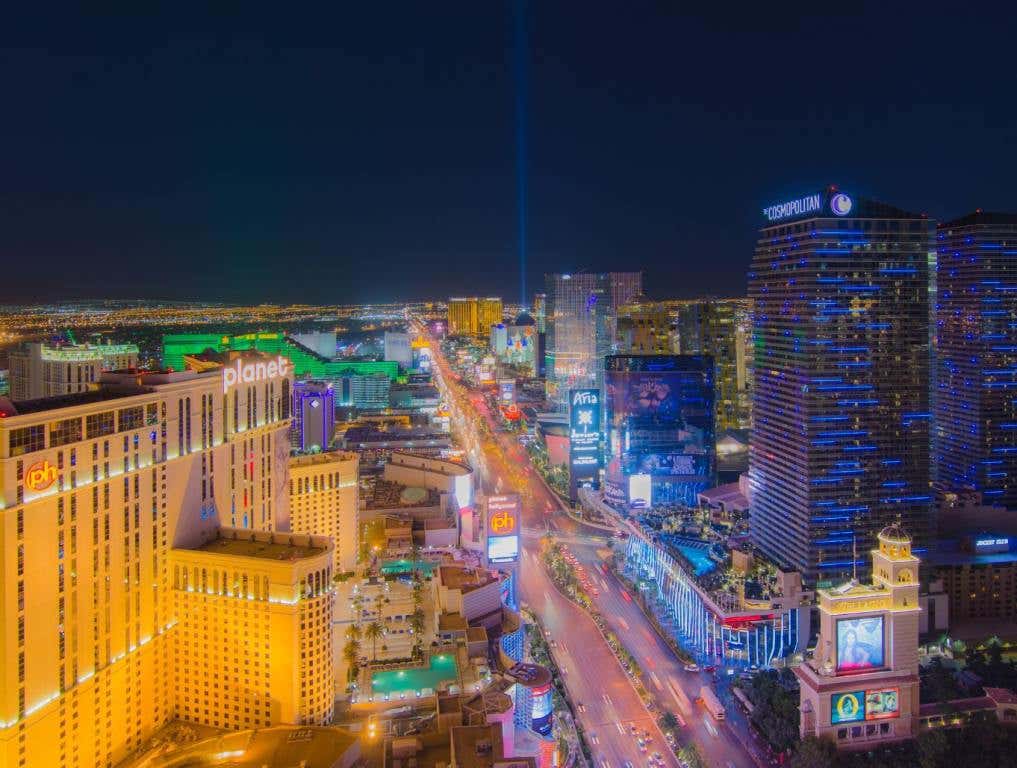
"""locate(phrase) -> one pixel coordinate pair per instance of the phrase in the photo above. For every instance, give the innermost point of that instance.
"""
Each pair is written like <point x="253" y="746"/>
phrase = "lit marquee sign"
<point x="40" y="476"/>
<point x="992" y="544"/>
<point x="503" y="528"/>
<point x="803" y="205"/>
<point x="584" y="435"/>
<point x="241" y="372"/>
<point x="873" y="704"/>
<point x="839" y="203"/>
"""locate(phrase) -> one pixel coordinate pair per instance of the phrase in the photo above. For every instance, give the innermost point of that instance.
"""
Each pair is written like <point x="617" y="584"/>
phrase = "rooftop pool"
<point x="390" y="567"/>
<point x="696" y="552"/>
<point x="394" y="682"/>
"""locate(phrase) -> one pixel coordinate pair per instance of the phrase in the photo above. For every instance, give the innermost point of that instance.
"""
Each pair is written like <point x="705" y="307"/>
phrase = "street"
<point x="606" y="703"/>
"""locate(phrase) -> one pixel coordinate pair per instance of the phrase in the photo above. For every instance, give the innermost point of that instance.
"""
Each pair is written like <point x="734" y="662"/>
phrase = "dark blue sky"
<point x="368" y="153"/>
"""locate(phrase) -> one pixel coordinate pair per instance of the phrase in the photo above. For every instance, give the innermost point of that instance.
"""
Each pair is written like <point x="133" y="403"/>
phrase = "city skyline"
<point x="518" y="385"/>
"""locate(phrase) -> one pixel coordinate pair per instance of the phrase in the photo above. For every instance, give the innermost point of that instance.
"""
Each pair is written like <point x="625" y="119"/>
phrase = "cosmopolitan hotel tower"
<point x="119" y="510"/>
<point x="976" y="377"/>
<point x="840" y="439"/>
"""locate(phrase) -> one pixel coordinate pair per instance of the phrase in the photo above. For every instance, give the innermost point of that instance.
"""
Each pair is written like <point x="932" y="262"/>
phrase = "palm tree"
<point x="373" y="632"/>
<point x="417" y="621"/>
<point x="351" y="652"/>
<point x="353" y="633"/>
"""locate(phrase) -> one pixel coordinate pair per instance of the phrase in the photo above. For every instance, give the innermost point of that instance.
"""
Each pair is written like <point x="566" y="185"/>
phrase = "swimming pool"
<point x="696" y="552"/>
<point x="406" y="566"/>
<point x="411" y="681"/>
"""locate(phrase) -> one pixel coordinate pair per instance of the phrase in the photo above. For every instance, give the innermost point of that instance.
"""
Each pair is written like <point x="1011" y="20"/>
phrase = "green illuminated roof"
<point x="305" y="362"/>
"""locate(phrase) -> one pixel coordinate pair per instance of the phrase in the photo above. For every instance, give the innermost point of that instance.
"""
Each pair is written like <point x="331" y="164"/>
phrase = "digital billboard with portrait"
<point x="847" y="707"/>
<point x="882" y="704"/>
<point x="859" y="644"/>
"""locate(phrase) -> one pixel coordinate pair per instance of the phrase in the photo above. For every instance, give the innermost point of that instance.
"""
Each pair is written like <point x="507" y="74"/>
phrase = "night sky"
<point x="369" y="154"/>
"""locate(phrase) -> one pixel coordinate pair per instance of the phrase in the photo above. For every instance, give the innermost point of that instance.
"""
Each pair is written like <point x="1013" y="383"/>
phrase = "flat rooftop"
<point x="264" y="546"/>
<point x="286" y="745"/>
<point x="464" y="579"/>
<point x="43" y="404"/>
<point x="326" y="457"/>
<point x="387" y="494"/>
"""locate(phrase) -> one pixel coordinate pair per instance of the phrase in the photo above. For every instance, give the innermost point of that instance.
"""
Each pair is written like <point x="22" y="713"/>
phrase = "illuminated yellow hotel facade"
<point x="325" y="500"/>
<point x="102" y="494"/>
<point x="254" y="635"/>
<point x="471" y="316"/>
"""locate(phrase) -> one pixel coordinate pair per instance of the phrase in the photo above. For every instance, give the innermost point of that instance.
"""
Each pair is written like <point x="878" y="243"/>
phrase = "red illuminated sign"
<point x="40" y="476"/>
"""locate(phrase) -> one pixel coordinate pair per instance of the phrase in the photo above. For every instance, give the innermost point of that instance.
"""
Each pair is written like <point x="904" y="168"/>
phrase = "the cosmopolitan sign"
<point x="249" y="372"/>
<point x="799" y="207"/>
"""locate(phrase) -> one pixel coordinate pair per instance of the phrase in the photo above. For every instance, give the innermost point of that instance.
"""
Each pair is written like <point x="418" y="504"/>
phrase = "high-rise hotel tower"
<point x="840" y="437"/>
<point x="99" y="491"/>
<point x="976" y="372"/>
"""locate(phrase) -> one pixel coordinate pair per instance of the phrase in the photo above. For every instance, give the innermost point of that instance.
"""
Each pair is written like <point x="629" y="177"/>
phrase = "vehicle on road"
<point x="625" y="596"/>
<point x="691" y="667"/>
<point x="712" y="703"/>
<point x="710" y="669"/>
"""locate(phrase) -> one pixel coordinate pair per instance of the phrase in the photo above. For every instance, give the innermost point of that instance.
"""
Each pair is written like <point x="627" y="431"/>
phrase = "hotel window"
<point x="27" y="439"/>
<point x="100" y="424"/>
<point x="64" y="432"/>
<point x="130" y="418"/>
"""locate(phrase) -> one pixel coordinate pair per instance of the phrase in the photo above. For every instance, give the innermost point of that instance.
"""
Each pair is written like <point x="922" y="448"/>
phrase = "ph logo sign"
<point x="40" y="476"/>
<point x="502" y="523"/>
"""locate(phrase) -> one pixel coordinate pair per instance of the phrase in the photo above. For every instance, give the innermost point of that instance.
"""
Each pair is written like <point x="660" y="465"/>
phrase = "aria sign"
<point x="248" y="373"/>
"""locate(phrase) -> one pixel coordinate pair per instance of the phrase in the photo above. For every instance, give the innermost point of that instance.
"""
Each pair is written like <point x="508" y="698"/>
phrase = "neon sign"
<point x="502" y="523"/>
<point x="983" y="543"/>
<point x="40" y="476"/>
<point x="248" y="373"/>
<point x="841" y="204"/>
<point x="807" y="204"/>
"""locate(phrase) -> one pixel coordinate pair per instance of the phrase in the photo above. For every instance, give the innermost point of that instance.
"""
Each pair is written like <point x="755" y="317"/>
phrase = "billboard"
<point x="503" y="549"/>
<point x="660" y="422"/>
<point x="640" y="489"/>
<point x="874" y="704"/>
<point x="540" y="717"/>
<point x="506" y="391"/>
<point x="584" y="436"/>
<point x="847" y="707"/>
<point x="882" y="704"/>
<point x="503" y="520"/>
<point x="859" y="644"/>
